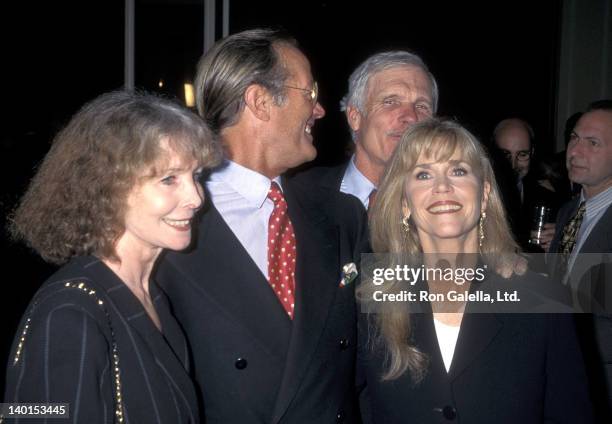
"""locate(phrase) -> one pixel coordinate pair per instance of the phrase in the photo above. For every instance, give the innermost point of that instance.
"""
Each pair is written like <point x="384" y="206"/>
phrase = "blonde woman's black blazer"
<point x="506" y="369"/>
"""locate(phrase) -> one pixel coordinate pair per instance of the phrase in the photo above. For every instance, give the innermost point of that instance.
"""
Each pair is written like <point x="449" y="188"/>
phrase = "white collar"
<point x="249" y="184"/>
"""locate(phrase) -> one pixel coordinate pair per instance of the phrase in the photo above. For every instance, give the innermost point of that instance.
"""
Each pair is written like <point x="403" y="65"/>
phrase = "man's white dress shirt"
<point x="241" y="197"/>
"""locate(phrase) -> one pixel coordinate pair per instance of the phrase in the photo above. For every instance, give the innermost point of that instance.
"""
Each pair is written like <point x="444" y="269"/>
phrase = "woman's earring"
<point x="405" y="224"/>
<point x="481" y="234"/>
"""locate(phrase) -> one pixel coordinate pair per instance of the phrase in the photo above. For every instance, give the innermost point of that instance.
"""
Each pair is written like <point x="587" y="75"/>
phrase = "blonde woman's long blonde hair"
<point x="437" y="139"/>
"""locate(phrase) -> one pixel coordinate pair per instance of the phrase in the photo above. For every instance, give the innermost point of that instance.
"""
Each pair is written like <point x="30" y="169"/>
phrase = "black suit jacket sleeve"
<point x="62" y="362"/>
<point x="590" y="285"/>
<point x="63" y="351"/>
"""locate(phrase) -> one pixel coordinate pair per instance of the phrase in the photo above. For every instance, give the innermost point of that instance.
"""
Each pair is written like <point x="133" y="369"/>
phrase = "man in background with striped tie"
<point x="584" y="228"/>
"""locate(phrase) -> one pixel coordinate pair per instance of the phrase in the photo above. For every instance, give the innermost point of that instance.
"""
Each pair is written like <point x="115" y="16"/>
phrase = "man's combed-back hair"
<point x="76" y="202"/>
<point x="231" y="66"/>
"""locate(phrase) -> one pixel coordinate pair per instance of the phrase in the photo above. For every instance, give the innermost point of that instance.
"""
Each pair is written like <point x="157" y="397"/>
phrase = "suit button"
<point x="449" y="412"/>
<point x="241" y="363"/>
<point x="344" y="344"/>
<point x="340" y="417"/>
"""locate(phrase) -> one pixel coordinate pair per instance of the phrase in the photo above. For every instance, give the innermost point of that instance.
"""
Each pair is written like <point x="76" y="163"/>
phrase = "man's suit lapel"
<point x="600" y="237"/>
<point x="329" y="177"/>
<point x="598" y="241"/>
<point x="591" y="269"/>
<point x="317" y="280"/>
<point x="334" y="177"/>
<point x="237" y="287"/>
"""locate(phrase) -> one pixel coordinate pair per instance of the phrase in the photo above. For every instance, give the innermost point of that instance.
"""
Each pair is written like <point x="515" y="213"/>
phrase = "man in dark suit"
<point x="267" y="309"/>
<point x="521" y="188"/>
<point x="387" y="93"/>
<point x="584" y="228"/>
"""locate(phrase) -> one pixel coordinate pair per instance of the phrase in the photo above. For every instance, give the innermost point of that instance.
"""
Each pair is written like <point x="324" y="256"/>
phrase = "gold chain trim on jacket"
<point x="115" y="354"/>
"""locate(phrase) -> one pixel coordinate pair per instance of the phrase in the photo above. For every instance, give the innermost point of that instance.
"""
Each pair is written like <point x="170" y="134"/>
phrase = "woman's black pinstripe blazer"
<point x="86" y="340"/>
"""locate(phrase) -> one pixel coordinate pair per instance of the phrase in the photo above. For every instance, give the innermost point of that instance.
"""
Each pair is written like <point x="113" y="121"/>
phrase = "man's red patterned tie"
<point x="281" y="251"/>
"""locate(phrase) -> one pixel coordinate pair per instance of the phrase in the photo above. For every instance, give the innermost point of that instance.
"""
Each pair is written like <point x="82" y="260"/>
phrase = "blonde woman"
<point x="438" y="199"/>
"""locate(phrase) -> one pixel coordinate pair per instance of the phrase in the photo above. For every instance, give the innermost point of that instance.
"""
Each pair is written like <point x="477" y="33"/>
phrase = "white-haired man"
<point x="387" y="93"/>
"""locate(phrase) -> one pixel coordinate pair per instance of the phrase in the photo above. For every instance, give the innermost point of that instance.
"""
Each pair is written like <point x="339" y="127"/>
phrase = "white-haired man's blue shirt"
<point x="355" y="183"/>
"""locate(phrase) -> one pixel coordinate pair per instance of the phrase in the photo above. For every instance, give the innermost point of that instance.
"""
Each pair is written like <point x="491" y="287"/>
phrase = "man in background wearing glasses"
<point x="268" y="313"/>
<point x="513" y="138"/>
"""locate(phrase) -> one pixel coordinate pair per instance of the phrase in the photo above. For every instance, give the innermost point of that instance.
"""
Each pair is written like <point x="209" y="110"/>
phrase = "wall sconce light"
<point x="189" y="96"/>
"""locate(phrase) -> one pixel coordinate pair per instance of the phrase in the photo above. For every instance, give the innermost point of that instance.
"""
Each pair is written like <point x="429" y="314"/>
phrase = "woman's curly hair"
<point x="76" y="202"/>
